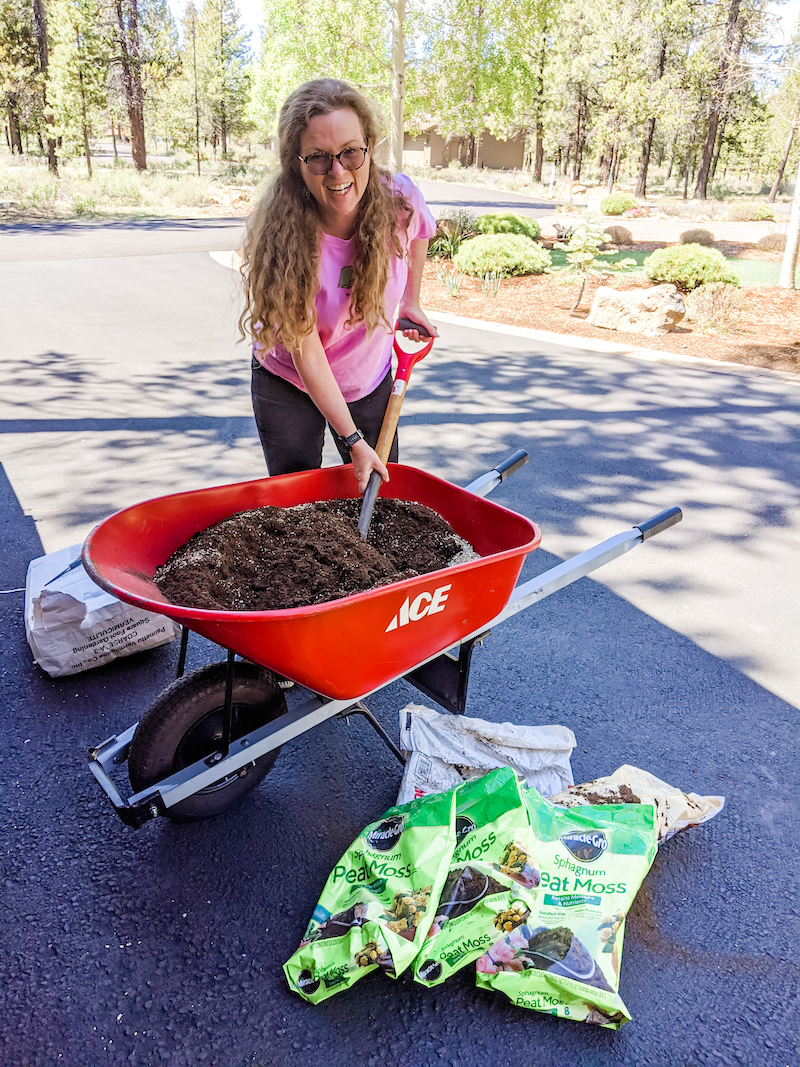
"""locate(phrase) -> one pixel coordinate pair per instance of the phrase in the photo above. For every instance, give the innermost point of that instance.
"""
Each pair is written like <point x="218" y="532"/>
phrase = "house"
<point x="433" y="149"/>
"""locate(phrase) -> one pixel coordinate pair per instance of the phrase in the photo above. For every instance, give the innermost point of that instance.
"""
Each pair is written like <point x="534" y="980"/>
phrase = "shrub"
<point x="451" y="230"/>
<point x="688" y="266"/>
<point x="619" y="235"/>
<point x="750" y="211"/>
<point x="696" y="237"/>
<point x="772" y="242"/>
<point x="641" y="211"/>
<point x="508" y="254"/>
<point x="714" y="307"/>
<point x="617" y="203"/>
<point x="508" y="222"/>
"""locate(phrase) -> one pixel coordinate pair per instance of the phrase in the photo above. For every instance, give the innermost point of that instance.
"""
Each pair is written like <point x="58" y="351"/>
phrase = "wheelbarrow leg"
<point x="361" y="709"/>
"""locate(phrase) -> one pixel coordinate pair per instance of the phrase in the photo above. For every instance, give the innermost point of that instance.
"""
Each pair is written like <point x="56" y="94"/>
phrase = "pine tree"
<point x="78" y="68"/>
<point x="223" y="56"/>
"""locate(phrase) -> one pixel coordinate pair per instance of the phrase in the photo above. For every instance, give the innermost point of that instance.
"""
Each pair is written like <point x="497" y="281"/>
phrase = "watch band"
<point x="348" y="442"/>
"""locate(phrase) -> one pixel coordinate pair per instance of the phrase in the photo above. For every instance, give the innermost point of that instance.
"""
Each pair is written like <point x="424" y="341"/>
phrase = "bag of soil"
<point x="376" y="899"/>
<point x="491" y="881"/>
<point x="564" y="959"/>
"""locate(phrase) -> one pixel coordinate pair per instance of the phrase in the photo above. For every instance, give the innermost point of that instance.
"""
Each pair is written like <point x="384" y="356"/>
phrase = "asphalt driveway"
<point x="122" y="381"/>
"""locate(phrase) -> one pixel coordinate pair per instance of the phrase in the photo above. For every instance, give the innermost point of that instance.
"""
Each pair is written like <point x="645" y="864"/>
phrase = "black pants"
<point x="292" y="429"/>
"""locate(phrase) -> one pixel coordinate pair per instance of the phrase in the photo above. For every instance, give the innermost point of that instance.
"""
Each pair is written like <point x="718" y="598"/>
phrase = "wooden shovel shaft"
<point x="390" y="420"/>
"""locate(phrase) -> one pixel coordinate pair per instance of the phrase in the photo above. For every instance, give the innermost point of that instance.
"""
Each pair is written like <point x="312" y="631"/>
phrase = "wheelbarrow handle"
<point x="658" y="523"/>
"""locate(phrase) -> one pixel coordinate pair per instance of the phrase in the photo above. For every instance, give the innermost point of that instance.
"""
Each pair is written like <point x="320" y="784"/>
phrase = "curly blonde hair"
<point x="281" y="250"/>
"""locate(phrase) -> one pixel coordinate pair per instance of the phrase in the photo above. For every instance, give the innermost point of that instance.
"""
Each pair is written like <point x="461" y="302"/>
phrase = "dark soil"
<point x="274" y="558"/>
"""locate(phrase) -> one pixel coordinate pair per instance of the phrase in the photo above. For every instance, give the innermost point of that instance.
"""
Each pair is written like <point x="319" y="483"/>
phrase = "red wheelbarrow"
<point x="213" y="735"/>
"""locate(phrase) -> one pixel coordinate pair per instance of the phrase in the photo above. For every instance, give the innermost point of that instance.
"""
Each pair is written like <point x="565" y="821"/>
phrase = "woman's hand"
<point x="365" y="461"/>
<point x="416" y="314"/>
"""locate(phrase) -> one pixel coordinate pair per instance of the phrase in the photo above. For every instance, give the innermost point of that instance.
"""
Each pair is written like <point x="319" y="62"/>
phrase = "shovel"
<point x="405" y="362"/>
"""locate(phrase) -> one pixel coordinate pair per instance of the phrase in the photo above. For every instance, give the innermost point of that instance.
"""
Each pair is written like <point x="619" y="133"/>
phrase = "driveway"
<point x="122" y="381"/>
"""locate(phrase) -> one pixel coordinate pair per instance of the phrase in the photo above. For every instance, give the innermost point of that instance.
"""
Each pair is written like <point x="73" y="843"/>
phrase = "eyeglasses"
<point x="321" y="162"/>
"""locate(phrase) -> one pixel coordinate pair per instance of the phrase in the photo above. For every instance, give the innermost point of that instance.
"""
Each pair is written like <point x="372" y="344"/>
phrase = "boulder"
<point x="651" y="312"/>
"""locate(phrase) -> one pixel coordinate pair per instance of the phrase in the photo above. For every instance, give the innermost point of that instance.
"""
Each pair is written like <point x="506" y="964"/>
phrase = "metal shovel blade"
<point x="368" y="504"/>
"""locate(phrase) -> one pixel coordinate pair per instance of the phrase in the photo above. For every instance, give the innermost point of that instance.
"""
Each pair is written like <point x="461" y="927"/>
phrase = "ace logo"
<point x="423" y="604"/>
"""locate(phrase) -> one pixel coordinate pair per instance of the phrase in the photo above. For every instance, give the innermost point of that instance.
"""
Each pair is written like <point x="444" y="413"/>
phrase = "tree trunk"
<point x="644" y="161"/>
<point x="538" y="159"/>
<point x="15" y="137"/>
<point x="604" y="166"/>
<point x="580" y="137"/>
<point x="579" y="297"/>
<point x="128" y="19"/>
<point x="539" y="156"/>
<point x="785" y="159"/>
<point x="672" y="157"/>
<point x="720" y="136"/>
<point x="85" y="123"/>
<point x="396" y="131"/>
<point x="649" y="130"/>
<point x="789" y="263"/>
<point x="731" y="44"/>
<point x="40" y="19"/>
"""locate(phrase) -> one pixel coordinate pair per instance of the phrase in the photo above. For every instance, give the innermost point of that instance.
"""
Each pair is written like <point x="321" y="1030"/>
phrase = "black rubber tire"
<point x="185" y="725"/>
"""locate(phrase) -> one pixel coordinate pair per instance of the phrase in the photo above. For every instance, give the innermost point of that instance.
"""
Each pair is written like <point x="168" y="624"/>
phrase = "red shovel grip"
<point x="406" y="360"/>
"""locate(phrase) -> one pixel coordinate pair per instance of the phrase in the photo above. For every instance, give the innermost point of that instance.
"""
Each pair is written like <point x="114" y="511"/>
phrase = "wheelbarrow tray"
<point x="341" y="648"/>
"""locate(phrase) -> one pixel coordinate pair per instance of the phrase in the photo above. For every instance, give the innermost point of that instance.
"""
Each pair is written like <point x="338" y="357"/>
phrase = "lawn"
<point x="753" y="273"/>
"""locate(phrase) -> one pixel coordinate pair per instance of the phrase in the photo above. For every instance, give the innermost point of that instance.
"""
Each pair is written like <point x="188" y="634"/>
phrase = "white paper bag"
<point x="72" y="624"/>
<point x="443" y="750"/>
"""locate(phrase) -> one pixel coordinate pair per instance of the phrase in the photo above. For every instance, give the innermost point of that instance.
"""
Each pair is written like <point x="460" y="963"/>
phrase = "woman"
<point x="333" y="250"/>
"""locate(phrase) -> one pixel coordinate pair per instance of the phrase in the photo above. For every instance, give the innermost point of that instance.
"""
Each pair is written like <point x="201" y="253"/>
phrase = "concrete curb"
<point x="592" y="344"/>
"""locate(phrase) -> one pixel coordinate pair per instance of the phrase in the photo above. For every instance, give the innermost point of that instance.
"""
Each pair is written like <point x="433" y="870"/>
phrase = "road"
<point x="122" y="381"/>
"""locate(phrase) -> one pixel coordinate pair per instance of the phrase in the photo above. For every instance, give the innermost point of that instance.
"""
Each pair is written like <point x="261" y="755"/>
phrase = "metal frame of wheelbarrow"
<point x="443" y="677"/>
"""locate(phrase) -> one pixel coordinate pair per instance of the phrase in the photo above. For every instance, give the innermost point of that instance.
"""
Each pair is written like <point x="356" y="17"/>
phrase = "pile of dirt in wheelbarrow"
<point x="271" y="558"/>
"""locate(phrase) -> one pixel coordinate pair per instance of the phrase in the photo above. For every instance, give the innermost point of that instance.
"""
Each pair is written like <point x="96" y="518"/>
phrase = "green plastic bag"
<point x="565" y="959"/>
<point x="491" y="881"/>
<point x="374" y="909"/>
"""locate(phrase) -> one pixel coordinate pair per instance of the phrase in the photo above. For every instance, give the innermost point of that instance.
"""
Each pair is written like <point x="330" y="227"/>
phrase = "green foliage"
<point x="78" y="70"/>
<point x="451" y="230"/>
<point x="84" y="205"/>
<point x="506" y="254"/>
<point x="586" y="257"/>
<point x="689" y="266"/>
<point x="450" y="279"/>
<point x="490" y="283"/>
<point x="750" y="211"/>
<point x="617" y="203"/>
<point x="508" y="222"/>
<point x="697" y="237"/>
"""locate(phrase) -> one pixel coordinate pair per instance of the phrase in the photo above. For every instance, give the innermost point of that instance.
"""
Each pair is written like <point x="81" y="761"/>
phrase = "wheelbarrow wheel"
<point x="185" y="724"/>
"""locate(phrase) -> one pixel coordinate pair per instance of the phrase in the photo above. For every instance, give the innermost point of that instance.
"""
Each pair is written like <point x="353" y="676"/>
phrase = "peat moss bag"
<point x="374" y="908"/>
<point x="565" y="958"/>
<point x="491" y="880"/>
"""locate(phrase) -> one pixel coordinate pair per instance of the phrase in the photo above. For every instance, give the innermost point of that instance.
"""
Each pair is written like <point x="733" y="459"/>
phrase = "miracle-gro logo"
<point x="586" y="846"/>
<point x="386" y="834"/>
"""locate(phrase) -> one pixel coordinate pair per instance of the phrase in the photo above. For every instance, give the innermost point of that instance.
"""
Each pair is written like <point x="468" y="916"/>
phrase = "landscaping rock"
<point x="652" y="312"/>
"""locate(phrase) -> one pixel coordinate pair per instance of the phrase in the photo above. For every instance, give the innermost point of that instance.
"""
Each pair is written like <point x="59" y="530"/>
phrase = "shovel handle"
<point x="405" y="362"/>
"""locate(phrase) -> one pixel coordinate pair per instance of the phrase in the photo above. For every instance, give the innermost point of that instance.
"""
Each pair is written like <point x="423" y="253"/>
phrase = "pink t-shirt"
<point x="359" y="362"/>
